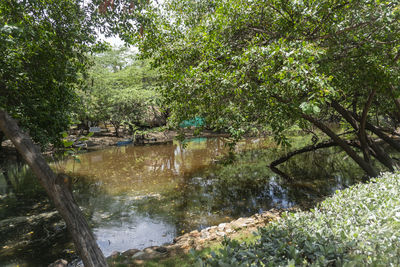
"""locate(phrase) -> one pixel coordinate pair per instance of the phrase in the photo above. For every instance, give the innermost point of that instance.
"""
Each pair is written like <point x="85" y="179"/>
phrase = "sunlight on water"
<point x="139" y="203"/>
<point x="140" y="196"/>
<point x="142" y="170"/>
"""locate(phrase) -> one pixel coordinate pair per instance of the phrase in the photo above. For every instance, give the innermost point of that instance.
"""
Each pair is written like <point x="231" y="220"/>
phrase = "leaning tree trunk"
<point x="58" y="192"/>
<point x="366" y="166"/>
<point x="361" y="131"/>
<point x="378" y="152"/>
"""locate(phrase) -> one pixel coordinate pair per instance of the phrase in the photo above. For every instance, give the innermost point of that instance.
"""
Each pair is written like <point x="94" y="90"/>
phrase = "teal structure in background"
<point x="196" y="122"/>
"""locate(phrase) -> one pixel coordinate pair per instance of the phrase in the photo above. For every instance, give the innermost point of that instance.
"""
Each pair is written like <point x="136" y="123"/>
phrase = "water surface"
<point x="139" y="196"/>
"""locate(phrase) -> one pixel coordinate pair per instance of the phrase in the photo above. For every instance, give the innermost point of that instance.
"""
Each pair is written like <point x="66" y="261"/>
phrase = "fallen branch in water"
<point x="314" y="147"/>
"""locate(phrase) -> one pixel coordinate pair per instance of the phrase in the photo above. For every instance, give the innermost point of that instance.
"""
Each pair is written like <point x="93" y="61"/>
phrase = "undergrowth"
<point x="358" y="226"/>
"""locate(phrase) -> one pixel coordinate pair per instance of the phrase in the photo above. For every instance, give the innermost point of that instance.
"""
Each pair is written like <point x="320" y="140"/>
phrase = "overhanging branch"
<point x="305" y="149"/>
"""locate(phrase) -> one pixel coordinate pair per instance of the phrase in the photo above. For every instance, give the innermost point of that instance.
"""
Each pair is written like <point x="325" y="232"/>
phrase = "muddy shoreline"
<point x="108" y="139"/>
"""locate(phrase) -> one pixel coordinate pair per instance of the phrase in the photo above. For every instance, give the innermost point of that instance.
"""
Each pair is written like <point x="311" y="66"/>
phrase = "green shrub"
<point x="358" y="226"/>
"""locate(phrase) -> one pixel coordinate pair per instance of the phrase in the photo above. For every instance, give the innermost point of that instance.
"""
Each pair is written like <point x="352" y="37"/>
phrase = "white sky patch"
<point x="115" y="41"/>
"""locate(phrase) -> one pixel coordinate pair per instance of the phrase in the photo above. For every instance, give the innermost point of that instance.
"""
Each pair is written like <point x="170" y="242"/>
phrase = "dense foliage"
<point x="358" y="226"/>
<point x="250" y="64"/>
<point x="43" y="46"/>
<point x="119" y="89"/>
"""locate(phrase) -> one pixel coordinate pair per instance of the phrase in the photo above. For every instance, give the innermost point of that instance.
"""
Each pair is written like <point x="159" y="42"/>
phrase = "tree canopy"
<point x="43" y="50"/>
<point x="119" y="89"/>
<point x="277" y="63"/>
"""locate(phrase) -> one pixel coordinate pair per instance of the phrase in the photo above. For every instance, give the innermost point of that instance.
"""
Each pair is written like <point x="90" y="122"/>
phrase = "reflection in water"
<point x="139" y="196"/>
<point x="119" y="236"/>
<point x="142" y="170"/>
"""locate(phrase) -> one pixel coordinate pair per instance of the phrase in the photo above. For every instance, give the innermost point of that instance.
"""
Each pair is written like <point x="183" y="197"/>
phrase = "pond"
<point x="139" y="196"/>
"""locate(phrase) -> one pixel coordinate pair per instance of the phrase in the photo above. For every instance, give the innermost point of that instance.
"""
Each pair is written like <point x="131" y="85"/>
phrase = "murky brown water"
<point x="142" y="187"/>
<point x="138" y="196"/>
<point x="152" y="169"/>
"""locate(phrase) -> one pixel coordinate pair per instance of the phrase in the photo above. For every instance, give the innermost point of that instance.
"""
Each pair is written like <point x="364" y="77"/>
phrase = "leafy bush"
<point x="358" y="226"/>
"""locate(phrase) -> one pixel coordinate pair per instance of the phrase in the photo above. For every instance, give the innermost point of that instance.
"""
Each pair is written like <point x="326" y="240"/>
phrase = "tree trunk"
<point x="116" y="127"/>
<point x="396" y="102"/>
<point x="1" y="140"/>
<point x="367" y="167"/>
<point x="302" y="150"/>
<point x="379" y="153"/>
<point x="275" y="163"/>
<point x="362" y="134"/>
<point x="10" y="186"/>
<point x="57" y="189"/>
<point x="390" y="141"/>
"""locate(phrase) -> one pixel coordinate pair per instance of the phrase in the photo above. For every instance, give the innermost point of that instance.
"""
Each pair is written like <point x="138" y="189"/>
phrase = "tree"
<point x="243" y="64"/>
<point x="58" y="190"/>
<point x="42" y="51"/>
<point x="120" y="89"/>
<point x="43" y="46"/>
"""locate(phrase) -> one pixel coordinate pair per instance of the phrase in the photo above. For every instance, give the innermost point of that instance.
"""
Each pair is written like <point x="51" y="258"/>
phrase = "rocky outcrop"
<point x="196" y="239"/>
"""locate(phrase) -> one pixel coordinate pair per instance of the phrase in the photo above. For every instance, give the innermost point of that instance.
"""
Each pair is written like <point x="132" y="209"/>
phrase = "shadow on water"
<point x="138" y="196"/>
<point x="31" y="232"/>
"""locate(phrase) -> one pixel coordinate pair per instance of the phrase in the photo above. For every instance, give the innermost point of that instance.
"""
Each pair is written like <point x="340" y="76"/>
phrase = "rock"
<point x="150" y="253"/>
<point x="173" y="250"/>
<point x="90" y="143"/>
<point x="114" y="255"/>
<point x="220" y="233"/>
<point x="199" y="247"/>
<point x="242" y="222"/>
<point x="137" y="263"/>
<point x="138" y="255"/>
<point x="162" y="250"/>
<point x="197" y="239"/>
<point x="59" y="263"/>
<point x="180" y="238"/>
<point x="186" y="247"/>
<point x="194" y="233"/>
<point x="205" y="234"/>
<point x="221" y="226"/>
<point x="130" y="252"/>
<point x="149" y="249"/>
<point x="213" y="236"/>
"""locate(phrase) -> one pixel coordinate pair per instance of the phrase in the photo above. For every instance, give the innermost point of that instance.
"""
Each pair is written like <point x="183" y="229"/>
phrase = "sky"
<point x="115" y="41"/>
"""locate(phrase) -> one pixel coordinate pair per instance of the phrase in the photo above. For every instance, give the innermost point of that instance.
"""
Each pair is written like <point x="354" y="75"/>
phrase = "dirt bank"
<point x="100" y="141"/>
<point x="106" y="139"/>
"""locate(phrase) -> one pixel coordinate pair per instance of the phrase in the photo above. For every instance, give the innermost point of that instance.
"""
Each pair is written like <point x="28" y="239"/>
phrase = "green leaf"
<point x="68" y="143"/>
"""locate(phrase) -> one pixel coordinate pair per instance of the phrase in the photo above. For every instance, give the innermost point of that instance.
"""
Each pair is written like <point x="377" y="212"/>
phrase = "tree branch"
<point x="367" y="167"/>
<point x="57" y="191"/>
<point x="305" y="149"/>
